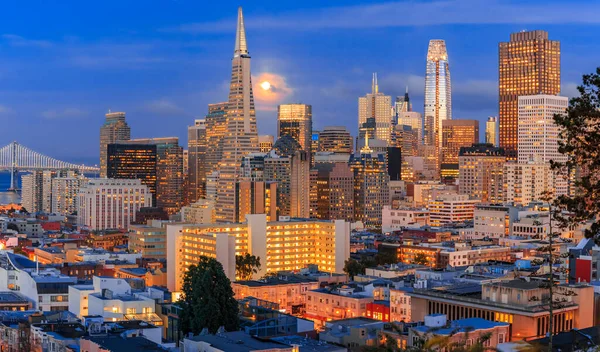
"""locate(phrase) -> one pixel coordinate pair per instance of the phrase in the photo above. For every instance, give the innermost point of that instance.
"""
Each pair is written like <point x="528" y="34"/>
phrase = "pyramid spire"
<point x="241" y="48"/>
<point x="374" y="85"/>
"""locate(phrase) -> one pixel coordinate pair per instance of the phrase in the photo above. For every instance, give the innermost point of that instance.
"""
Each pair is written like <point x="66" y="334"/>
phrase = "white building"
<point x="377" y="105"/>
<point x="450" y="208"/>
<point x="64" y="193"/>
<point x="493" y="221"/>
<point x="201" y="212"/>
<point x="414" y="120"/>
<point x="538" y="134"/>
<point x="111" y="203"/>
<point x="398" y="219"/>
<point x="99" y="254"/>
<point x="526" y="183"/>
<point x="400" y="306"/>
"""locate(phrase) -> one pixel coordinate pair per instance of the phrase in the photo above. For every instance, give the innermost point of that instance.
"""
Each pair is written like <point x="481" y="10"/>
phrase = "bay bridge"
<point x="15" y="158"/>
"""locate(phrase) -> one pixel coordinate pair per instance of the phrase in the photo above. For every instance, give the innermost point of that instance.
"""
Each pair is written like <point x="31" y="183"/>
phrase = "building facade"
<point x="480" y="172"/>
<point x="491" y="131"/>
<point x="295" y="120"/>
<point x="335" y="139"/>
<point x="378" y="106"/>
<point x="196" y="161"/>
<point x="450" y="208"/>
<point x="332" y="191"/>
<point x="114" y="129"/>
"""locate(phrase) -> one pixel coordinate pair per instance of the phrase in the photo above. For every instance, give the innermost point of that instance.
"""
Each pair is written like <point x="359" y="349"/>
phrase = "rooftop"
<point x="118" y="343"/>
<point x="237" y="341"/>
<point x="272" y="281"/>
<point x="11" y="297"/>
<point x="462" y="325"/>
<point x="307" y="345"/>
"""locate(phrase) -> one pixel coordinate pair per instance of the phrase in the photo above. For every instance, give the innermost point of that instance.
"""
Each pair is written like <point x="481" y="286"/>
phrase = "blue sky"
<point x="64" y="64"/>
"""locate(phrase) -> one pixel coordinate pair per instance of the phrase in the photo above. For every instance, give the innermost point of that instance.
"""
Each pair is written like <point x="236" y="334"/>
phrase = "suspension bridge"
<point x="15" y="158"/>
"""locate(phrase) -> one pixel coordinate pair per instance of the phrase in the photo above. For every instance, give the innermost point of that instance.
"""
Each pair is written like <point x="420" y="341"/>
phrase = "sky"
<point x="64" y="64"/>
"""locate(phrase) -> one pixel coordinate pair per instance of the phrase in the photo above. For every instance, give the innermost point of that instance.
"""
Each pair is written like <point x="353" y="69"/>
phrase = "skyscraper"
<point x="265" y="143"/>
<point x="241" y="135"/>
<point x="438" y="94"/>
<point x="491" y="128"/>
<point x="295" y="120"/>
<point x="335" y="139"/>
<point x="378" y="106"/>
<point x="196" y="161"/>
<point x="456" y="134"/>
<point x="528" y="64"/>
<point x="481" y="172"/>
<point x="115" y="128"/>
<point x="332" y="191"/>
<point x="216" y="125"/>
<point x="415" y="121"/>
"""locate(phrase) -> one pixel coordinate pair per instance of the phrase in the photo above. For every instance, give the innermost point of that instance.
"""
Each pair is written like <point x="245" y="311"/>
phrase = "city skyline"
<point x="152" y="86"/>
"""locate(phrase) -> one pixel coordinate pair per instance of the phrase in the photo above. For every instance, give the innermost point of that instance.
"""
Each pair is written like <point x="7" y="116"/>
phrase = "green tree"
<point x="386" y="258"/>
<point x="246" y="266"/>
<point x="207" y="299"/>
<point x="352" y="268"/>
<point x="420" y="259"/>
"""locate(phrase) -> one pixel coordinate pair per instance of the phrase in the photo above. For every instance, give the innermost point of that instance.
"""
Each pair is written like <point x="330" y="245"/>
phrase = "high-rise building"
<point x="253" y="167"/>
<point x="371" y="190"/>
<point x="160" y="159"/>
<point x="481" y="172"/>
<point x="196" y="161"/>
<point x="438" y="94"/>
<point x="114" y="129"/>
<point x="216" y="125"/>
<point x="256" y="197"/>
<point x="528" y="64"/>
<point x="491" y="131"/>
<point x="402" y="104"/>
<point x="368" y="128"/>
<point x="527" y="182"/>
<point x="450" y="208"/>
<point x="111" y="203"/>
<point x="36" y="189"/>
<point x="378" y="106"/>
<point x="393" y="161"/>
<point x="332" y="191"/>
<point x="414" y="120"/>
<point x="265" y="143"/>
<point x="455" y="135"/>
<point x="335" y="139"/>
<point x="64" y="193"/>
<point x="200" y="212"/>
<point x="295" y="120"/>
<point x="407" y="139"/>
<point x="241" y="135"/>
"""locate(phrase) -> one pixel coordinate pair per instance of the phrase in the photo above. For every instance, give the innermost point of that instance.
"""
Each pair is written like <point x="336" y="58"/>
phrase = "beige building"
<point x="323" y="305"/>
<point x="525" y="183"/>
<point x="114" y="129"/>
<point x="200" y="212"/>
<point x="378" y="106"/>
<point x="491" y="131"/>
<point x="456" y="134"/>
<point x="400" y="307"/>
<point x="331" y="191"/>
<point x="289" y="292"/>
<point x="281" y="245"/>
<point x="265" y="143"/>
<point x="335" y="139"/>
<point x="256" y="197"/>
<point x="295" y="120"/>
<point x="64" y="193"/>
<point x="398" y="219"/>
<point x="528" y="64"/>
<point x="291" y="172"/>
<point x="414" y="120"/>
<point x="150" y="240"/>
<point x="480" y="172"/>
<point x="450" y="208"/>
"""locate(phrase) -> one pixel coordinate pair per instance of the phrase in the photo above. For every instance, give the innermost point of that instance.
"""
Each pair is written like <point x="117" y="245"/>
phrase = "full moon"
<point x="265" y="85"/>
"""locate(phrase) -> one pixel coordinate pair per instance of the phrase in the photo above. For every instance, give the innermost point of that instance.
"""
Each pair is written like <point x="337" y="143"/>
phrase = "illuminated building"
<point x="282" y="245"/>
<point x="196" y="161"/>
<point x="200" y="212"/>
<point x="332" y="195"/>
<point x="415" y="121"/>
<point x="114" y="129"/>
<point x="64" y="193"/>
<point x="491" y="131"/>
<point x="216" y="125"/>
<point x="538" y="133"/>
<point x="295" y="120"/>
<point x="253" y="166"/>
<point x="335" y="139"/>
<point x="371" y="191"/>
<point x="525" y="183"/>
<point x="241" y="136"/>
<point x="402" y="104"/>
<point x="456" y="134"/>
<point x="314" y="143"/>
<point x="407" y="139"/>
<point x="528" y="64"/>
<point x="36" y="191"/>
<point x="256" y="197"/>
<point x="265" y="143"/>
<point x="378" y="106"/>
<point x="399" y="219"/>
<point x="349" y="304"/>
<point x="133" y="160"/>
<point x="288" y="292"/>
<point x="438" y="94"/>
<point x="150" y="240"/>
<point x="481" y="170"/>
<point x="111" y="203"/>
<point x="450" y="208"/>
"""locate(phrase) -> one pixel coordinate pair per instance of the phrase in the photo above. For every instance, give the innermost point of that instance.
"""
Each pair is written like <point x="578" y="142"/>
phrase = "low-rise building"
<point x="400" y="307"/>
<point x="352" y="332"/>
<point x="398" y="219"/>
<point x="323" y="305"/>
<point x="450" y="208"/>
<point x="150" y="240"/>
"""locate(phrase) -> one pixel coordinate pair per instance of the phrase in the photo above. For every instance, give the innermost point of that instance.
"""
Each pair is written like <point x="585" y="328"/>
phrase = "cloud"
<point x="163" y="106"/>
<point x="17" y="40"/>
<point x="278" y="92"/>
<point x="66" y="113"/>
<point x="394" y="14"/>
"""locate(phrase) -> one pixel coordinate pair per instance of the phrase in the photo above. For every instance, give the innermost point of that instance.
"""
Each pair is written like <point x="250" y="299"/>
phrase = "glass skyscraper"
<point x="438" y="94"/>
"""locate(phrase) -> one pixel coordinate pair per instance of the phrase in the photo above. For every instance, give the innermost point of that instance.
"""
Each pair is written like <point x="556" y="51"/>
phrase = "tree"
<point x="246" y="266"/>
<point x="420" y="259"/>
<point x="386" y="258"/>
<point x="352" y="268"/>
<point x="207" y="299"/>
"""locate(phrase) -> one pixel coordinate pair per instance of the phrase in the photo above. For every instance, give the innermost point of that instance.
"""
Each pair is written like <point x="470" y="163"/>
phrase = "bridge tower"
<point x="14" y="173"/>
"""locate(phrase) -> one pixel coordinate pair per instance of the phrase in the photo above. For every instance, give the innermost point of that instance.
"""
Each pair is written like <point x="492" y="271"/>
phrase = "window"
<point x="500" y="338"/>
<point x="130" y="310"/>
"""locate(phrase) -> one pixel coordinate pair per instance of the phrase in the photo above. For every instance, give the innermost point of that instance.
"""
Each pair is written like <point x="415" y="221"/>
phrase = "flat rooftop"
<point x="237" y="341"/>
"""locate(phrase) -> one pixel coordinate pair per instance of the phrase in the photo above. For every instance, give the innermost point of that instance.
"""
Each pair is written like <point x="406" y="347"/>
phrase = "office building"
<point x="241" y="135"/>
<point x="36" y="191"/>
<point x="414" y="120"/>
<point x="149" y="239"/>
<point x="64" y="193"/>
<point x="480" y="175"/>
<point x="265" y="143"/>
<point x="281" y="245"/>
<point x="111" y="203"/>
<point x="200" y="212"/>
<point x="332" y="191"/>
<point x="253" y="166"/>
<point x="295" y="120"/>
<point x="378" y="106"/>
<point x="528" y="64"/>
<point x="151" y="159"/>
<point x="407" y="139"/>
<point x="402" y="104"/>
<point x="491" y="131"/>
<point x="196" y="161"/>
<point x="256" y="197"/>
<point x="114" y="129"/>
<point x="371" y="190"/>
<point x="455" y="135"/>
<point x="526" y="183"/>
<point x="216" y="126"/>
<point x="447" y="209"/>
<point x="393" y="160"/>
<point x="335" y="139"/>
<point x="438" y="94"/>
